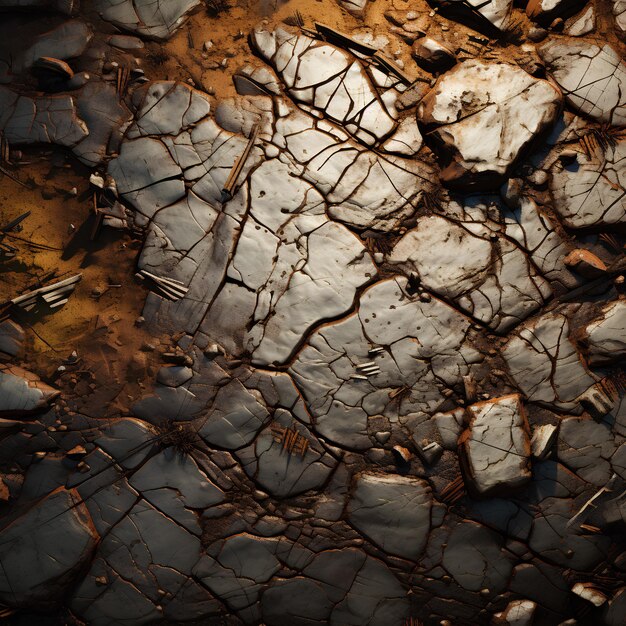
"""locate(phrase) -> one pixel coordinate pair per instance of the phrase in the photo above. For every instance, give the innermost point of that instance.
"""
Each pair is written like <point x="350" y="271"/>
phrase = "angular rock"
<point x="542" y="440"/>
<point x="590" y="191"/>
<point x="432" y="55"/>
<point x="586" y="447"/>
<point x="605" y="338"/>
<point x="23" y="393"/>
<point x="584" y="24"/>
<point x="393" y="511"/>
<point x="487" y="277"/>
<point x="474" y="557"/>
<point x="44" y="119"/>
<point x="144" y="553"/>
<point x="156" y="19"/>
<point x="545" y="365"/>
<point x="278" y="469"/>
<point x="329" y="79"/>
<point x="517" y="613"/>
<point x="482" y="116"/>
<point x="426" y="349"/>
<point x="176" y="486"/>
<point x="496" y="446"/>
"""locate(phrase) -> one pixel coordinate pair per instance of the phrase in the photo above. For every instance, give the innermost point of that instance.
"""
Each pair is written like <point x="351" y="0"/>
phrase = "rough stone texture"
<point x="332" y="424"/>
<point x="496" y="446"/>
<point x="44" y="550"/>
<point x="411" y="331"/>
<point x="605" y="337"/>
<point x="157" y="19"/>
<point x="483" y="115"/>
<point x="327" y="78"/>
<point x="589" y="192"/>
<point x="22" y="392"/>
<point x="394" y="512"/>
<point x="44" y="119"/>
<point x="546" y="366"/>
<point x="591" y="76"/>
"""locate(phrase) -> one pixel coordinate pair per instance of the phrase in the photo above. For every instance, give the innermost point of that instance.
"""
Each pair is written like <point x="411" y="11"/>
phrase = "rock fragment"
<point x="45" y="549"/>
<point x="23" y="393"/>
<point x="591" y="75"/>
<point x="156" y="19"/>
<point x="605" y="338"/>
<point x="496" y="446"/>
<point x="474" y="114"/>
<point x="393" y="511"/>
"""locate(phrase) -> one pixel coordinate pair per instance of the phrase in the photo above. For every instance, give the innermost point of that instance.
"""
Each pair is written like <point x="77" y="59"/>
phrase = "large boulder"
<point x="482" y="116"/>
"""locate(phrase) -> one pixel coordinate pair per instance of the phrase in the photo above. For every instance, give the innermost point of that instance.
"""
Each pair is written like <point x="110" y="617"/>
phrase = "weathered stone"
<point x="605" y="338"/>
<point x="45" y="549"/>
<point x="155" y="19"/>
<point x="591" y="76"/>
<point x="393" y="511"/>
<point x="546" y="366"/>
<point x="474" y="114"/>
<point x="589" y="192"/>
<point x="23" y="393"/>
<point x="496" y="446"/>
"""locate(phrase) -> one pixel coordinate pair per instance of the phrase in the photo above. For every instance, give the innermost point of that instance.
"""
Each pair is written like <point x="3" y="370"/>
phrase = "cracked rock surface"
<point x="348" y="345"/>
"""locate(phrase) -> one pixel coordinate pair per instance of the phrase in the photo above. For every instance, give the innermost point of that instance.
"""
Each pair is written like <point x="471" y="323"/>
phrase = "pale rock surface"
<point x="483" y="115"/>
<point x="592" y="77"/>
<point x="590" y="192"/>
<point x="23" y="393"/>
<point x="393" y="511"/>
<point x="496" y="446"/>
<point x="546" y="366"/>
<point x="156" y="19"/>
<point x="426" y="349"/>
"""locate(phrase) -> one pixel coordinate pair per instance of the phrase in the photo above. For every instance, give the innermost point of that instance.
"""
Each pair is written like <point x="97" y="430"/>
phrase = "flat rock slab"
<point x="44" y="549"/>
<point x="282" y="472"/>
<point x="329" y="79"/>
<point x="482" y="116"/>
<point x="592" y="77"/>
<point x="590" y="191"/>
<point x="485" y="276"/>
<point x="496" y="446"/>
<point x="545" y="364"/>
<point x="426" y="348"/>
<point x="43" y="119"/>
<point x="156" y="19"/>
<point x="393" y="511"/>
<point x="23" y="393"/>
<point x="605" y="337"/>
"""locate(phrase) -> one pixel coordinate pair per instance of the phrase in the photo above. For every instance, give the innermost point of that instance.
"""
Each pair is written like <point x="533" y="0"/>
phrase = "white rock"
<point x="496" y="446"/>
<point x="485" y="114"/>
<point x="592" y="77"/>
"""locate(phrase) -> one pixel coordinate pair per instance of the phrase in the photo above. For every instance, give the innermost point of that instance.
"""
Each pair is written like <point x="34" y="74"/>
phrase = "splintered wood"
<point x="453" y="491"/>
<point x="231" y="181"/>
<point x="290" y="439"/>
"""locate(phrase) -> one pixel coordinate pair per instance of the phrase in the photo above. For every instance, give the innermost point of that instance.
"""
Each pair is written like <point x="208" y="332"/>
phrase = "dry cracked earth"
<point x="312" y="312"/>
